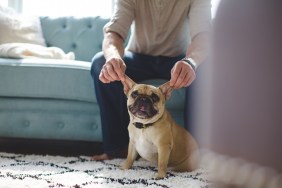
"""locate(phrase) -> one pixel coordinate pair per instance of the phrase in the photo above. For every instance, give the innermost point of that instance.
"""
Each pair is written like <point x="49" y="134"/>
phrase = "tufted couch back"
<point x="83" y="36"/>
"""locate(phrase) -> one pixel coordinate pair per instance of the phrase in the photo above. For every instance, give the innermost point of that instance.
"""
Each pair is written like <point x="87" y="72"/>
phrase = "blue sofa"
<point x="54" y="99"/>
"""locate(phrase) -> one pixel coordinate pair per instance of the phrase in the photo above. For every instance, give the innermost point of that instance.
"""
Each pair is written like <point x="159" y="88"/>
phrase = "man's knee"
<point x="97" y="63"/>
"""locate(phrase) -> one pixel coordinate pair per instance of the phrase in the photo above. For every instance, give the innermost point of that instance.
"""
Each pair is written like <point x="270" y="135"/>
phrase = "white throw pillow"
<point x="15" y="27"/>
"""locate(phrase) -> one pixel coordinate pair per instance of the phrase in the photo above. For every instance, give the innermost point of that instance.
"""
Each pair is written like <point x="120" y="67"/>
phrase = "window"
<point x="4" y="3"/>
<point x="214" y="7"/>
<point x="64" y="7"/>
<point x="70" y="7"/>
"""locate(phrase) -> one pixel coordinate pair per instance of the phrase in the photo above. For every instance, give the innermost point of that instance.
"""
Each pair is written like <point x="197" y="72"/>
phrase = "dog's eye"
<point x="155" y="97"/>
<point x="134" y="94"/>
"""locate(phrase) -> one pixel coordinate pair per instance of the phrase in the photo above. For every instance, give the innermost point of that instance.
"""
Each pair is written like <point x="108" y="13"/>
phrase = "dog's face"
<point x="146" y="103"/>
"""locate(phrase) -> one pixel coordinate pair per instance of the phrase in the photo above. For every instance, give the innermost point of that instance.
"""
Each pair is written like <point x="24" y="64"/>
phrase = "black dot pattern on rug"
<point x="79" y="172"/>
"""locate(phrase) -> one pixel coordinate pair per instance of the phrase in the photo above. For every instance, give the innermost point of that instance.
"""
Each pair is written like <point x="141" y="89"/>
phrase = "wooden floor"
<point x="50" y="147"/>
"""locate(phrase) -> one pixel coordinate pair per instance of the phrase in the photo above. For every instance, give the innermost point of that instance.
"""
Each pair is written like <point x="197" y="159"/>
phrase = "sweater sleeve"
<point x="122" y="18"/>
<point x="199" y="16"/>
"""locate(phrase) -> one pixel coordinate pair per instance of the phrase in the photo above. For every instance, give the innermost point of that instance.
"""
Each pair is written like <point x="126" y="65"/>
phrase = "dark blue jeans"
<point x="112" y="100"/>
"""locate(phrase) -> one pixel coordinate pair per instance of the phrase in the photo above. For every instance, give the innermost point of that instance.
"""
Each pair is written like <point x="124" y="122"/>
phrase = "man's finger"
<point x="102" y="78"/>
<point x="180" y="79"/>
<point x="185" y="81"/>
<point x="111" y="72"/>
<point x="107" y="76"/>
<point x="119" y="69"/>
<point x="174" y="74"/>
<point x="122" y="75"/>
<point x="189" y="82"/>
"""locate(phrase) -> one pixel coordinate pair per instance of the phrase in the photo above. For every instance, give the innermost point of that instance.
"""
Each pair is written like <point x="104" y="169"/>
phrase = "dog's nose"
<point x="144" y="99"/>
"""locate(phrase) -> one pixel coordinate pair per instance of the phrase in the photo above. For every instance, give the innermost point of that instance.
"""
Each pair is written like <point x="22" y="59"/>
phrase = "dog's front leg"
<point x="131" y="156"/>
<point x="163" y="157"/>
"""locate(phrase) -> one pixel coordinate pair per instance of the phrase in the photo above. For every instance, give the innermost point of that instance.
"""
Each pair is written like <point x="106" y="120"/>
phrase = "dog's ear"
<point x="127" y="84"/>
<point x="166" y="90"/>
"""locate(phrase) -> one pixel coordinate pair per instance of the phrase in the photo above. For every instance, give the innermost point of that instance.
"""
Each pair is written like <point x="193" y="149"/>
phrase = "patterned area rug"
<point x="32" y="171"/>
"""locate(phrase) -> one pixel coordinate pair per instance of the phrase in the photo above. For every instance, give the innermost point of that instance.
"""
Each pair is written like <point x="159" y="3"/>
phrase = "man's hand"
<point x="182" y="75"/>
<point x="113" y="70"/>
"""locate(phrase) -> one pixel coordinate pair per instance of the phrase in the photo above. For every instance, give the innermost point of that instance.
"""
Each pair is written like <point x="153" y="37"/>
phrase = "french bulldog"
<point x="153" y="134"/>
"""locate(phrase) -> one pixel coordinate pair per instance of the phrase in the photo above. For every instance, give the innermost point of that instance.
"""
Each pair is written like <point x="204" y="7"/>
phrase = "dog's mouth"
<point x="143" y="108"/>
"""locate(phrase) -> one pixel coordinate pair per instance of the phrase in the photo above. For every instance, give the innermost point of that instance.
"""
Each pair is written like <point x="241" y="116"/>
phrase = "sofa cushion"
<point x="46" y="78"/>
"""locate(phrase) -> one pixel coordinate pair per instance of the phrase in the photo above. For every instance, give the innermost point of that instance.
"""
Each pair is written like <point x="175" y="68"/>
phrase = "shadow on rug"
<point x="55" y="171"/>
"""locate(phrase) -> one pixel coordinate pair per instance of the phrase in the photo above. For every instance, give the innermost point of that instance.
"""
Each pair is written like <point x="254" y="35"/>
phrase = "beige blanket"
<point x="26" y="50"/>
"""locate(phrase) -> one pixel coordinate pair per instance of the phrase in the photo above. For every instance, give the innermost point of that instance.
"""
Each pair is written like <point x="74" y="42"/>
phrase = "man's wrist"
<point x="191" y="62"/>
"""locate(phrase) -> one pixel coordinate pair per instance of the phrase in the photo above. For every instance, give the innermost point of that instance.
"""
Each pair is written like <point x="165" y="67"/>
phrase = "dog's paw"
<point x="160" y="176"/>
<point x="125" y="166"/>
